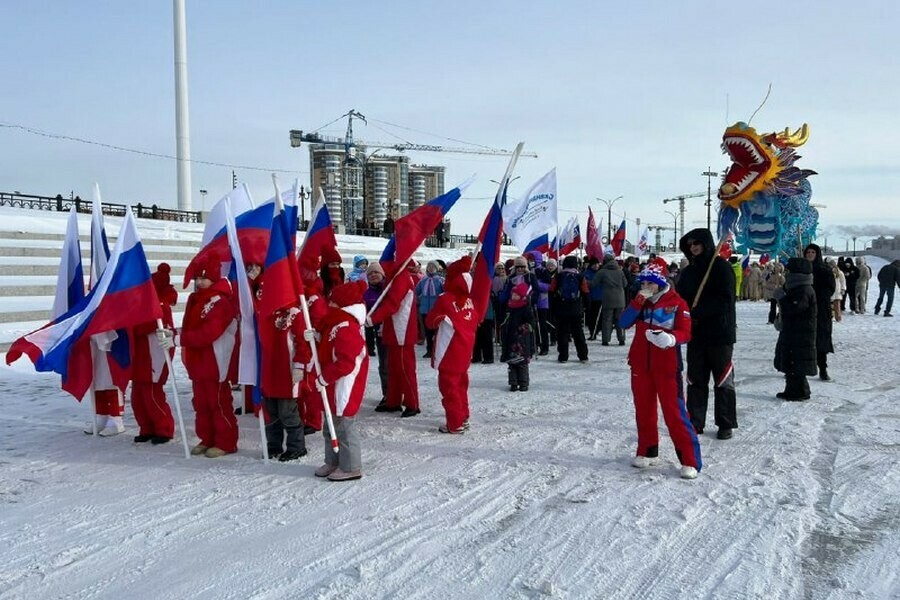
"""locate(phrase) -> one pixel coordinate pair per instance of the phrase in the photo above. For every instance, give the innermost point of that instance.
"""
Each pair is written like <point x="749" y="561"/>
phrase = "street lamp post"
<point x="675" y="237"/>
<point x="854" y="245"/>
<point x="303" y="196"/>
<point x="709" y="174"/>
<point x="609" y="204"/>
<point x="202" y="200"/>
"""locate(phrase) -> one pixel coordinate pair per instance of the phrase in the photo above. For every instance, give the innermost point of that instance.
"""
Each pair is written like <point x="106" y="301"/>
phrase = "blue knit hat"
<point x="655" y="273"/>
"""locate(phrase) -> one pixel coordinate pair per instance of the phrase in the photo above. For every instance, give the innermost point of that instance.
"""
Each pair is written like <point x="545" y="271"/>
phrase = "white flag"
<point x="529" y="220"/>
<point x="643" y="244"/>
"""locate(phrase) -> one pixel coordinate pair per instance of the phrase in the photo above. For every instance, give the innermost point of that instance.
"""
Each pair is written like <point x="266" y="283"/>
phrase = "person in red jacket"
<point x="149" y="370"/>
<point x="345" y="370"/>
<point x="400" y="332"/>
<point x="455" y="319"/>
<point x="308" y="398"/>
<point x="662" y="323"/>
<point x="279" y="335"/>
<point x="207" y="340"/>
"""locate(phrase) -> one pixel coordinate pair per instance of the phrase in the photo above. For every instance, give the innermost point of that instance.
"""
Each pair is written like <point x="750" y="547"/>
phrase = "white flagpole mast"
<point x="335" y="446"/>
<point x="177" y="402"/>
<point x="500" y="189"/>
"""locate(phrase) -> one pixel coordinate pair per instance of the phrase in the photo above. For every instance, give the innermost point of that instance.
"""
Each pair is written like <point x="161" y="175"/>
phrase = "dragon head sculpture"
<point x="764" y="197"/>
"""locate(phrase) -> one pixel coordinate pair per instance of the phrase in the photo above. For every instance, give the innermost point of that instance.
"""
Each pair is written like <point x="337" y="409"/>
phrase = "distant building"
<point x="362" y="191"/>
<point x="887" y="248"/>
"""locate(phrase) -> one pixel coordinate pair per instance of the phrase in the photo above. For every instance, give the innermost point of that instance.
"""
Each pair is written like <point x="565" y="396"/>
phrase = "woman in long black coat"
<point x="795" y="352"/>
<point x="824" y="285"/>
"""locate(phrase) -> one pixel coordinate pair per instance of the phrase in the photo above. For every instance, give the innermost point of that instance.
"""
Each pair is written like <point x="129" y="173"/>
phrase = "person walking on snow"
<point x="824" y="285"/>
<point x="662" y="324"/>
<point x="399" y="333"/>
<point x="795" y="352"/>
<point x="713" y="331"/>
<point x="888" y="277"/>
<point x="345" y="369"/>
<point x="207" y="339"/>
<point x="149" y="369"/>
<point x="455" y="317"/>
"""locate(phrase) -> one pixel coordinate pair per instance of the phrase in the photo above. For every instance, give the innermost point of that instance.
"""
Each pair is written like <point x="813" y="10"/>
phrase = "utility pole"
<point x="675" y="222"/>
<point x="709" y="174"/>
<point x="609" y="204"/>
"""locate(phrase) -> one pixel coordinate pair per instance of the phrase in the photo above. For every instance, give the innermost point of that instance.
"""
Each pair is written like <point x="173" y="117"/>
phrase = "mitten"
<point x="660" y="338"/>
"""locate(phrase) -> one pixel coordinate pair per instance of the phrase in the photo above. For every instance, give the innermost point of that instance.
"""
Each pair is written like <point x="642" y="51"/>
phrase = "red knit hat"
<point x="349" y="293"/>
<point x="458" y="279"/>
<point x="210" y="268"/>
<point x="330" y="255"/>
<point x="161" y="279"/>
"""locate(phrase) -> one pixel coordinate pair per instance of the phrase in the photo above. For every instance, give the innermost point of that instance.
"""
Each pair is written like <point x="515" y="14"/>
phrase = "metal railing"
<point x="60" y="204"/>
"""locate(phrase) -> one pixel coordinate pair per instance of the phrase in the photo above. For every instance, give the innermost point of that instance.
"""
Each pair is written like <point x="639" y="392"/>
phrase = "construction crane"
<point x="298" y="137"/>
<point x="680" y="200"/>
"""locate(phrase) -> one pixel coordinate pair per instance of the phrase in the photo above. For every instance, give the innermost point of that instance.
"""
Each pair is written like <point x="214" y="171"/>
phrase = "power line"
<point x="69" y="138"/>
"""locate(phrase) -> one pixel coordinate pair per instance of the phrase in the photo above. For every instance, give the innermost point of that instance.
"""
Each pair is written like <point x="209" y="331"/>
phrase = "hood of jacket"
<point x="702" y="235"/>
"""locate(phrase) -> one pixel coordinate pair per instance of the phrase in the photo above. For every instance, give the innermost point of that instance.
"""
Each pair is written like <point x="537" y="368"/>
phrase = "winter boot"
<point x="114" y="426"/>
<point x="410" y="412"/>
<point x="292" y="455"/>
<point x="325" y="470"/>
<point x="199" y="449"/>
<point x="140" y="439"/>
<point x="340" y="475"/>
<point x="100" y="421"/>
<point x="688" y="472"/>
<point x="274" y="452"/>
<point x="823" y="375"/>
<point x="383" y="407"/>
<point x="724" y="433"/>
<point x="644" y="462"/>
<point x="215" y="453"/>
<point x="156" y="440"/>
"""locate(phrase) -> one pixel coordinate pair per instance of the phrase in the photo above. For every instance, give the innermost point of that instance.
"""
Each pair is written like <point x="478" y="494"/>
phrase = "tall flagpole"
<point x="182" y="124"/>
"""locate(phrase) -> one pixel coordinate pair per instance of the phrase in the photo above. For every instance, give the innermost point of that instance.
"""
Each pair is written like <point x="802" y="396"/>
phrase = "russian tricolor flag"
<point x="618" y="239"/>
<point x="123" y="297"/>
<point x="70" y="279"/>
<point x="319" y="236"/>
<point x="281" y="277"/>
<point x="410" y="231"/>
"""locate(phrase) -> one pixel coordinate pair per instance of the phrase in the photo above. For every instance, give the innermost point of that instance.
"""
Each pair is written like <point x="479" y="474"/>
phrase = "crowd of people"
<point x="533" y="306"/>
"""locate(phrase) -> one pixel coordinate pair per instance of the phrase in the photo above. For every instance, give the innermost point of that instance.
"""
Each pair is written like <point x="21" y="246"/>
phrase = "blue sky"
<point x="625" y="99"/>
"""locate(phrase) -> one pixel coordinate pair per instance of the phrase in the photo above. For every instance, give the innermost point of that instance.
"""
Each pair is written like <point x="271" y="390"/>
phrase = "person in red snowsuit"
<point x="207" y="340"/>
<point x="662" y="323"/>
<point x="344" y="359"/>
<point x="149" y="369"/>
<point x="455" y="316"/>
<point x="308" y="398"/>
<point x="400" y="332"/>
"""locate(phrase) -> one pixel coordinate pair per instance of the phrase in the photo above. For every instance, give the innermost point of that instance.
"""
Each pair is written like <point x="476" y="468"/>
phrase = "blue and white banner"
<point x="529" y="220"/>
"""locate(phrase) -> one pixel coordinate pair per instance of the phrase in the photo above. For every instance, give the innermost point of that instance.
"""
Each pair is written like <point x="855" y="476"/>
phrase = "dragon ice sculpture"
<point x="764" y="197"/>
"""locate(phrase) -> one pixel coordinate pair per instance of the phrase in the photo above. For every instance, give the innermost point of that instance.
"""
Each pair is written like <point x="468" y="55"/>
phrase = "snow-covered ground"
<point x="537" y="500"/>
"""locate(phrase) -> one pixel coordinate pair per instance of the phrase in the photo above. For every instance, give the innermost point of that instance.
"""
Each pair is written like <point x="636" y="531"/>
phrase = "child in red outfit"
<point x="455" y="319"/>
<point x="662" y="321"/>
<point x="345" y="369"/>
<point x="149" y="369"/>
<point x="207" y="339"/>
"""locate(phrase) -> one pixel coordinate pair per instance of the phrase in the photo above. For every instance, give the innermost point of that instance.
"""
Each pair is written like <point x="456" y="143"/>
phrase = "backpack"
<point x="570" y="286"/>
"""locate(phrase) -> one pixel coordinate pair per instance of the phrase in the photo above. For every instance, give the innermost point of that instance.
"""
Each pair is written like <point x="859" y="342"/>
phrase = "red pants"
<point x="310" y="401"/>
<point x="215" y="423"/>
<point x="647" y="386"/>
<point x="107" y="403"/>
<point x="403" y="387"/>
<point x="454" y="388"/>
<point x="151" y="411"/>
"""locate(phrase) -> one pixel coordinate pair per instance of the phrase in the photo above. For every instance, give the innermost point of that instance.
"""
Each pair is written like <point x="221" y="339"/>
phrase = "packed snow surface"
<point x="537" y="500"/>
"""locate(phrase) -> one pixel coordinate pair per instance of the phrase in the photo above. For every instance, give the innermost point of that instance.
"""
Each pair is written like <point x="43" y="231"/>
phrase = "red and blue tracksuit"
<point x="657" y="373"/>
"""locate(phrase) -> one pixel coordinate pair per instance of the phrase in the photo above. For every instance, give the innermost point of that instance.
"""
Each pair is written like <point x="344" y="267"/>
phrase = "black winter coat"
<point x="824" y="285"/>
<point x="713" y="320"/>
<point x="795" y="352"/>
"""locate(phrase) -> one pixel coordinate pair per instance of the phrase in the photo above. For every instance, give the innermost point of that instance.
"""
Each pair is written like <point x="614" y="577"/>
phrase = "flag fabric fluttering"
<point x="618" y="240"/>
<point x="643" y="245"/>
<point x="570" y="240"/>
<point x="70" y="279"/>
<point x="529" y="220"/>
<point x="764" y="258"/>
<point x="411" y="230"/>
<point x="281" y="278"/>
<point x="124" y="296"/>
<point x="594" y="244"/>
<point x="745" y="264"/>
<point x="99" y="245"/>
<point x="319" y="236"/>
<point x="248" y="358"/>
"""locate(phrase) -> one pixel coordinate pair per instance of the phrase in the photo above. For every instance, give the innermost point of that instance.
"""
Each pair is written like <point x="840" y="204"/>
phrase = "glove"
<point x="321" y="384"/>
<point x="645" y="294"/>
<point x="166" y="338"/>
<point x="660" y="338"/>
<point x="297" y="374"/>
<point x="309" y="335"/>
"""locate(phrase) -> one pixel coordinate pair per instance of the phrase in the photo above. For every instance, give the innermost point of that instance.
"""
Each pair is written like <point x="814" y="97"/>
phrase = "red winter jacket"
<point x="344" y="358"/>
<point x="669" y="313"/>
<point x="148" y="362"/>
<point x="398" y="312"/>
<point x="279" y="336"/>
<point x="207" y="335"/>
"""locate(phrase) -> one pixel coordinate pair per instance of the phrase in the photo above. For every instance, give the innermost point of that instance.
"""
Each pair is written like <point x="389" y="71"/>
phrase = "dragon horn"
<point x="798" y="138"/>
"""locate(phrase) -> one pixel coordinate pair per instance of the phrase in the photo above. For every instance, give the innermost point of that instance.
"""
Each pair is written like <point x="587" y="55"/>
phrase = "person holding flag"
<point x="207" y="339"/>
<point x="150" y="371"/>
